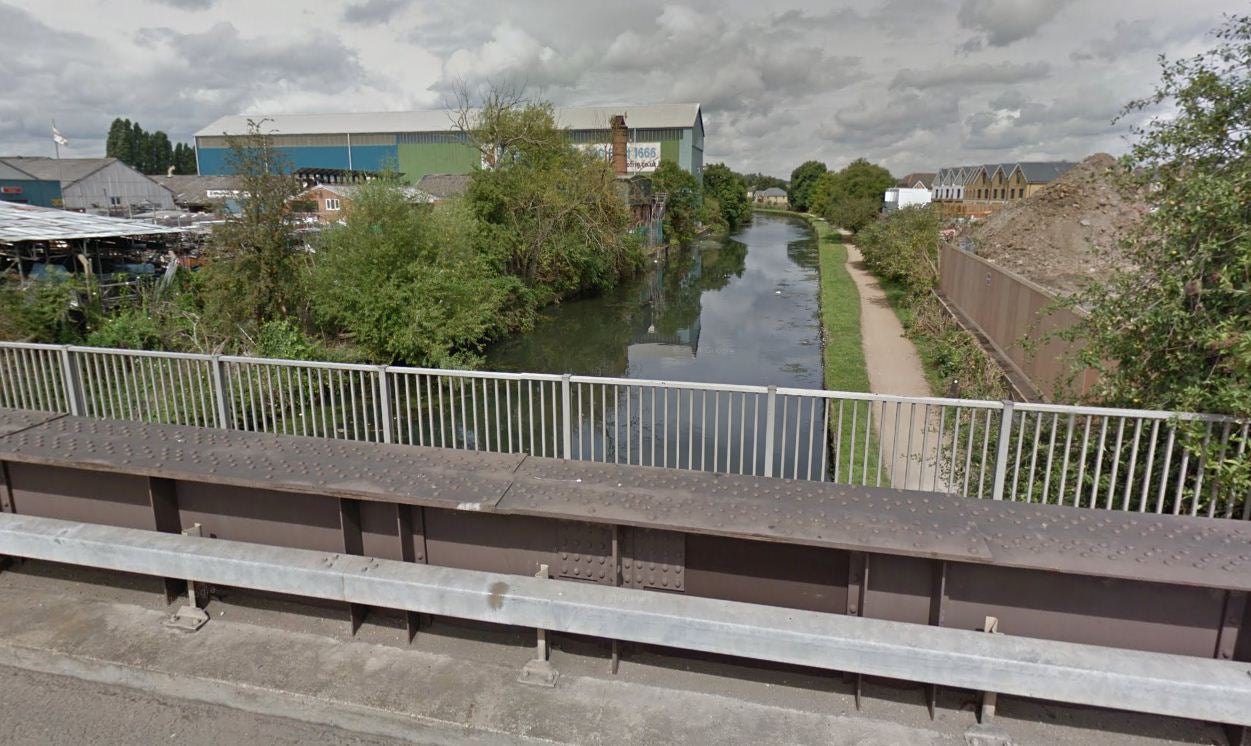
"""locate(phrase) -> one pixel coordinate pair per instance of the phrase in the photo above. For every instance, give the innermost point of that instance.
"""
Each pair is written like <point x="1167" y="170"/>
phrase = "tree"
<point x="115" y="144"/>
<point x="727" y="187"/>
<point x="406" y="283"/>
<point x="160" y="153"/>
<point x="254" y="272"/>
<point x="758" y="181"/>
<point x="184" y="159"/>
<point x="149" y="153"/>
<point x="683" y="199"/>
<point x="851" y="197"/>
<point x="1173" y="329"/>
<point x="551" y="214"/>
<point x="798" y="193"/>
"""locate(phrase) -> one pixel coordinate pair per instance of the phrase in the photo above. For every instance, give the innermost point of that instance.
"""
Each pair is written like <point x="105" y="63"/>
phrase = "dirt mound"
<point x="1067" y="233"/>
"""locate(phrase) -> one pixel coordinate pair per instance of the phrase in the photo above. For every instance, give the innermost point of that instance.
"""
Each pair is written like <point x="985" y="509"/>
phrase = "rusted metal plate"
<point x="584" y="552"/>
<point x="1164" y="549"/>
<point x="16" y="420"/>
<point x="371" y="471"/>
<point x="653" y="559"/>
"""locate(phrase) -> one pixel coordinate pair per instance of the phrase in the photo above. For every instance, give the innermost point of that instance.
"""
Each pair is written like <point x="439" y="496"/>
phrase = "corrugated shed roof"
<point x="65" y="170"/>
<point x="347" y="191"/>
<point x="8" y="171"/>
<point x="193" y="190"/>
<point x="654" y="116"/>
<point x="30" y="223"/>
<point x="444" y="185"/>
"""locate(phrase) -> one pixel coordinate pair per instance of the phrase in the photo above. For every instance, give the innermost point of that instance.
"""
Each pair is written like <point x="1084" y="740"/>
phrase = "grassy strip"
<point x="842" y="351"/>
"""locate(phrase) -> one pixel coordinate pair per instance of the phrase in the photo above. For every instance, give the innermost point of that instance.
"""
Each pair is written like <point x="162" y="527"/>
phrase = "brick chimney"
<point x="620" y="137"/>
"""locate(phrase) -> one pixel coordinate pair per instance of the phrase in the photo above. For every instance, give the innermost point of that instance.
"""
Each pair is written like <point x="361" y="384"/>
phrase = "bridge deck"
<point x="1164" y="549"/>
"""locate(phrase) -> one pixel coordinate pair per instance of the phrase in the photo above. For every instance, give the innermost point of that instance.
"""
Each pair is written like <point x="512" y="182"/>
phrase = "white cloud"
<point x="780" y="83"/>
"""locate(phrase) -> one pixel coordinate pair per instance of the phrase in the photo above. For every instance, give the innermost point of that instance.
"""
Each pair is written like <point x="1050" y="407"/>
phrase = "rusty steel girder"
<point x="1161" y="583"/>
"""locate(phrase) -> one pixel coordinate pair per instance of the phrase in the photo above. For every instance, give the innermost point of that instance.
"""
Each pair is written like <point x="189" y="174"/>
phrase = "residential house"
<point x="920" y="180"/>
<point x="771" y="197"/>
<point x="980" y="190"/>
<point x="329" y="203"/>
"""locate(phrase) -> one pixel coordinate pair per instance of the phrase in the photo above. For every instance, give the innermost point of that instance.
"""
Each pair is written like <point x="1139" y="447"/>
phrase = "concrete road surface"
<point x="38" y="708"/>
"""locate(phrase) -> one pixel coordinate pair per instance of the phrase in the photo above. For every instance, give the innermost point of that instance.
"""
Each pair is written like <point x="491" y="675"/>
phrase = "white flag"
<point x="58" y="138"/>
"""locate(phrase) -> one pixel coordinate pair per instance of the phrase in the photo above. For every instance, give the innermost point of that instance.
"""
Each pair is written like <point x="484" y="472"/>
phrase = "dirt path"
<point x="894" y="368"/>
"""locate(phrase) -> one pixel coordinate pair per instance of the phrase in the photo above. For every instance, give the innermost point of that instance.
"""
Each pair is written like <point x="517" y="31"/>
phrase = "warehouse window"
<point x="332" y="204"/>
<point x="115" y="201"/>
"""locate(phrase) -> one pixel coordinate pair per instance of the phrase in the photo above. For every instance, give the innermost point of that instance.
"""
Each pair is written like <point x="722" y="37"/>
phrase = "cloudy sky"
<point x="913" y="84"/>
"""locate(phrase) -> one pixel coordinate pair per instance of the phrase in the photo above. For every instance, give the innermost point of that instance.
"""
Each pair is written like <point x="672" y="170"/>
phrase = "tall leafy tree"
<point x="1173" y="330"/>
<point x="756" y="181"/>
<point x="683" y="198"/>
<point x="254" y="273"/>
<point x="803" y="178"/>
<point x="728" y="189"/>
<point x="160" y="153"/>
<point x="149" y="153"/>
<point x="852" y="196"/>
<point x="552" y="214"/>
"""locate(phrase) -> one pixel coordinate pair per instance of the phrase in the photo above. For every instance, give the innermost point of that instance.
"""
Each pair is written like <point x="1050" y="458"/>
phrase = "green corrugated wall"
<point x="419" y="159"/>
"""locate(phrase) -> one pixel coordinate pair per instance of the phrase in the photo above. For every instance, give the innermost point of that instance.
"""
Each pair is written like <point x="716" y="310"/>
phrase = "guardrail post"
<point x="771" y="409"/>
<point x="1001" y="457"/>
<point x="73" y="385"/>
<point x="384" y="403"/>
<point x="219" y="392"/>
<point x="566" y="416"/>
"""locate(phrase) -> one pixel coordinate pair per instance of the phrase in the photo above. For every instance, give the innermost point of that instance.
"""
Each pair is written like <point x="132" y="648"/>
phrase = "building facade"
<point x="975" y="190"/>
<point x="329" y="203"/>
<point x="771" y="197"/>
<point x="23" y="188"/>
<point x="419" y="143"/>
<point x="97" y="185"/>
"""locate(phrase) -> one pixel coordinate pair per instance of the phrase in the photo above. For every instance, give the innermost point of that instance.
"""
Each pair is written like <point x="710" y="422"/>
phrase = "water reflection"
<point x="738" y="311"/>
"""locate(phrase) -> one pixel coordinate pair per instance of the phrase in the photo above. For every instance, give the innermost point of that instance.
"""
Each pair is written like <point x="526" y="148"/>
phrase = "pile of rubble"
<point x="1065" y="235"/>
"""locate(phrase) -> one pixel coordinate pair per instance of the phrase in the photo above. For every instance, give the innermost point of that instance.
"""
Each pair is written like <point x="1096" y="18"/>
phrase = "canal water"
<point x="740" y="310"/>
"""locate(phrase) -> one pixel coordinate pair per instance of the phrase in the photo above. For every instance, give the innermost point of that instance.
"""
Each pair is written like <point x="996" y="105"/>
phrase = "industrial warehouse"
<point x="418" y="143"/>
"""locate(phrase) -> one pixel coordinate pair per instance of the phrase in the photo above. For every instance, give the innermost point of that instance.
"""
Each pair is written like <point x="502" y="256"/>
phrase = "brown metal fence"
<point x="1009" y="309"/>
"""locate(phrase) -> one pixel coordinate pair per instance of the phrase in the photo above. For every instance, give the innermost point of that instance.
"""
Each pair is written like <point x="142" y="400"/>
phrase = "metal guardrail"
<point x="1180" y="686"/>
<point x="1112" y="459"/>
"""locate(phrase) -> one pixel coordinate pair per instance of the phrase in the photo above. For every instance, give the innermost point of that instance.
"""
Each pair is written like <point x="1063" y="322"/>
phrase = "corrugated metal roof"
<point x="65" y="170"/>
<point x="20" y="222"/>
<point x="444" y="185"/>
<point x="193" y="190"/>
<point x="654" y="116"/>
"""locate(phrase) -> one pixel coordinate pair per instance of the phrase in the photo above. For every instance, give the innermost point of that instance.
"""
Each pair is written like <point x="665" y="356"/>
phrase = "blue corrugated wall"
<point x="213" y="161"/>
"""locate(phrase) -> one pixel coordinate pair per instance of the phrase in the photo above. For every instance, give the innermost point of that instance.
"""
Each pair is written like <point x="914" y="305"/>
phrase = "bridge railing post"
<point x="219" y="392"/>
<point x="72" y="382"/>
<point x="771" y="408"/>
<point x="384" y="403"/>
<point x="1001" y="456"/>
<point x="566" y="416"/>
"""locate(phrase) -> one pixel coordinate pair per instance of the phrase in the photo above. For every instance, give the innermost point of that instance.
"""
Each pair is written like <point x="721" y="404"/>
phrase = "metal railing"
<point x="1111" y="459"/>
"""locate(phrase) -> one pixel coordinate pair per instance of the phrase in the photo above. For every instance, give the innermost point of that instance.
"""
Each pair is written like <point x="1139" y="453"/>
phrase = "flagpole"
<point x="56" y="145"/>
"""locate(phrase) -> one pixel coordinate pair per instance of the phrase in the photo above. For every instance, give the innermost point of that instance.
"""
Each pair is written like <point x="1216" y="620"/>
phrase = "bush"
<point x="902" y="248"/>
<point x="405" y="283"/>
